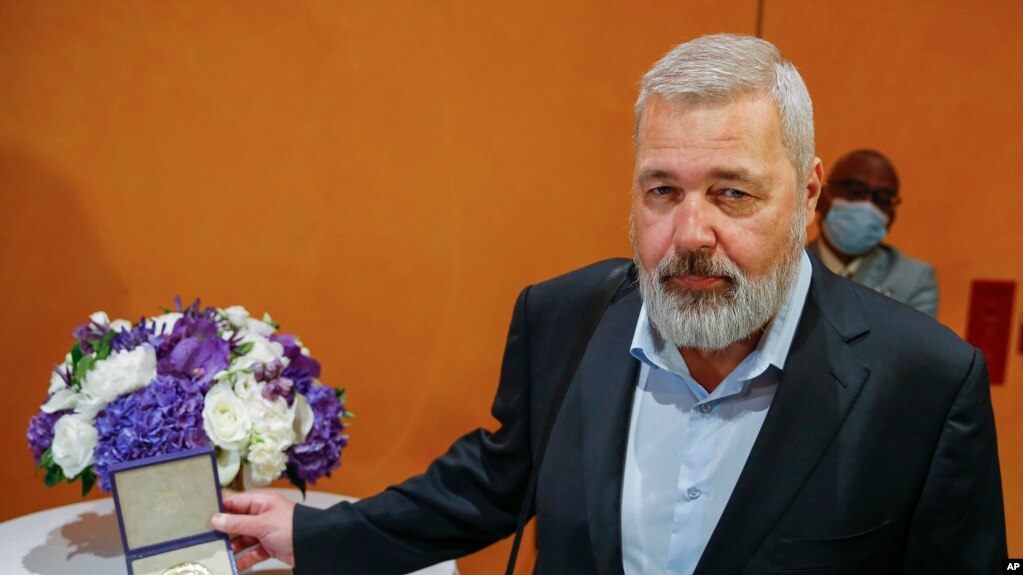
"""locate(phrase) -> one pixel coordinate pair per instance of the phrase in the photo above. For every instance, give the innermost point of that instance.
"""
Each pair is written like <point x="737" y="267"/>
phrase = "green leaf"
<point x="83" y="367"/>
<point x="342" y="394"/>
<point x="348" y="415"/>
<point x="54" y="475"/>
<point x="88" y="480"/>
<point x="293" y="477"/>
<point x="270" y="321"/>
<point x="46" y="461"/>
<point x="244" y="348"/>
<point x="76" y="354"/>
<point x="103" y="348"/>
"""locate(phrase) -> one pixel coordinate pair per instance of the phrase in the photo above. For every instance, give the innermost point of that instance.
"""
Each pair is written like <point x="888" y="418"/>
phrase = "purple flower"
<point x="143" y="332"/>
<point x="89" y="333"/>
<point x="301" y="369"/>
<point x="320" y="453"/>
<point x="196" y="359"/>
<point x="280" y="387"/>
<point x="164" y="417"/>
<point x="40" y="431"/>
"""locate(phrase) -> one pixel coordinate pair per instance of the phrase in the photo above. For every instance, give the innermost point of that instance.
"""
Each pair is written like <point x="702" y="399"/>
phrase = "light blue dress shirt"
<point x="686" y="447"/>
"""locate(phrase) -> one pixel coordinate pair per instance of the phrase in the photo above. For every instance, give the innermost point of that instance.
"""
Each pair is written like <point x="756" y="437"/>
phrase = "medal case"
<point x="164" y="505"/>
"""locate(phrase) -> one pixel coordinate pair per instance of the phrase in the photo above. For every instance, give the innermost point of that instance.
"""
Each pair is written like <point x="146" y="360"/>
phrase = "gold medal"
<point x="188" y="568"/>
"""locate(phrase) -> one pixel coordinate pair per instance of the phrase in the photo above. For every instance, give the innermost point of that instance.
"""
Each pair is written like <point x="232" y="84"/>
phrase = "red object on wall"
<point x="990" y="322"/>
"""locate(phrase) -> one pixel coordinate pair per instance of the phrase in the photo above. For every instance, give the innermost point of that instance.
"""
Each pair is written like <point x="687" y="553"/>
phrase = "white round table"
<point x="83" y="539"/>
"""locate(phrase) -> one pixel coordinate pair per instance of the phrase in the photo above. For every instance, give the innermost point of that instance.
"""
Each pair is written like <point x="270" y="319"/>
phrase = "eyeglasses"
<point x="855" y="190"/>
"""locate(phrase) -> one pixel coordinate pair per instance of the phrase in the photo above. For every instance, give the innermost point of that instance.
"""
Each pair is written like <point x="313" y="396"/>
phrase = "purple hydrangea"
<point x="40" y="431"/>
<point x="164" y="417"/>
<point x="320" y="453"/>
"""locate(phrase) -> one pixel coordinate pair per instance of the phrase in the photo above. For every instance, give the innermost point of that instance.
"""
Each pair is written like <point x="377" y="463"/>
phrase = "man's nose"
<point x="694" y="225"/>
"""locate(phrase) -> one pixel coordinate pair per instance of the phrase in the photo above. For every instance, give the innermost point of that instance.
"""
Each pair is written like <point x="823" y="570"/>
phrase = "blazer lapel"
<point x="822" y="378"/>
<point x="604" y="384"/>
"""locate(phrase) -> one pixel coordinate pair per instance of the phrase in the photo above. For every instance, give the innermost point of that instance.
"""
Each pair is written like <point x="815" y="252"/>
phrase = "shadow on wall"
<point x="54" y="273"/>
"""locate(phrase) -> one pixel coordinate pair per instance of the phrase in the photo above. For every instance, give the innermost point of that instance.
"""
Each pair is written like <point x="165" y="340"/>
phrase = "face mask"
<point x="854" y="228"/>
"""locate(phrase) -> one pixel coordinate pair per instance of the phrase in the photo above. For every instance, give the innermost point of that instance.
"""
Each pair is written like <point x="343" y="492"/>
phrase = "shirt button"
<point x="693" y="492"/>
<point x="706" y="407"/>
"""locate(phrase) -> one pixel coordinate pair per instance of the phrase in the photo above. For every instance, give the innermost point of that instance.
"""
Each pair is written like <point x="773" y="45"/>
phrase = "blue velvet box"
<point x="164" y="505"/>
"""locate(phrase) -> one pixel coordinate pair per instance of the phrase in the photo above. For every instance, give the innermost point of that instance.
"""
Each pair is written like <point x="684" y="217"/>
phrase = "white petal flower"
<point x="119" y="325"/>
<point x="273" y="422"/>
<point x="57" y="382"/>
<point x="236" y="315"/>
<point x="258" y="327"/>
<point x="122" y="372"/>
<point x="266" y="463"/>
<point x="263" y="351"/>
<point x="89" y="407"/>
<point x="74" y="438"/>
<point x="66" y="398"/>
<point x="225" y="418"/>
<point x="229" y="461"/>
<point x="246" y="386"/>
<point x="304" y="418"/>
<point x="100" y="318"/>
<point x="165" y="323"/>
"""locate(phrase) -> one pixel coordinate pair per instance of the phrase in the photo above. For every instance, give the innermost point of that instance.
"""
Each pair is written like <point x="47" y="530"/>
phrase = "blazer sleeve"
<point x="467" y="499"/>
<point x="959" y="522"/>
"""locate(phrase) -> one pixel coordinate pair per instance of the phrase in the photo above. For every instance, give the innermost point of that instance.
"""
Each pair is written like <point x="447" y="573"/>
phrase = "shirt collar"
<point x="649" y="347"/>
<point x="833" y="263"/>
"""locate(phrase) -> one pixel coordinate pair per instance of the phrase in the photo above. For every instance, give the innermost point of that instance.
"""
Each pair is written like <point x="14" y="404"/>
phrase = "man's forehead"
<point x="873" y="170"/>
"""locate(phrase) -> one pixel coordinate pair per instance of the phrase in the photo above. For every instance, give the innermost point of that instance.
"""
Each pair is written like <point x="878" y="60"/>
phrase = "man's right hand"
<point x="260" y="523"/>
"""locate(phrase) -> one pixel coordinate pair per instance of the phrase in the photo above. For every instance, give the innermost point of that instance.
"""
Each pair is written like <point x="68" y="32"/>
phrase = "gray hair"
<point x="724" y="68"/>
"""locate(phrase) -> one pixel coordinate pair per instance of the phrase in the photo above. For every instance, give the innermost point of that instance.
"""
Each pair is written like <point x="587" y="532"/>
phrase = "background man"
<point x="738" y="409"/>
<point x="857" y="209"/>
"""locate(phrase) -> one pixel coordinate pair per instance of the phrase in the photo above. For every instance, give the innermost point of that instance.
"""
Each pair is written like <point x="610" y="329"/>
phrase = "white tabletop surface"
<point x="83" y="539"/>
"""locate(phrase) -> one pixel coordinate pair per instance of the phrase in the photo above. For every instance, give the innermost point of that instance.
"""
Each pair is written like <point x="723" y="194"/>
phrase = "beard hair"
<point x="713" y="319"/>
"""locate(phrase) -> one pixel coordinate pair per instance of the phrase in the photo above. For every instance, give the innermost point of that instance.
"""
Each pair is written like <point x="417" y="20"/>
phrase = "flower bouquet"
<point x="188" y="379"/>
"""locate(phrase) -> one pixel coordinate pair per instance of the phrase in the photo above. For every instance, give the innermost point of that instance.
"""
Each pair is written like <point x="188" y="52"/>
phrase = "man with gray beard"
<point x="743" y="411"/>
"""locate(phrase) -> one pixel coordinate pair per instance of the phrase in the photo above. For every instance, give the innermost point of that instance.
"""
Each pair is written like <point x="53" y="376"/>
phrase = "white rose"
<point x="304" y="418"/>
<point x="164" y="324"/>
<point x="120" y="373"/>
<point x="266" y="463"/>
<point x="228" y="463"/>
<point x="236" y="315"/>
<point x="225" y="418"/>
<point x="246" y="386"/>
<point x="74" y="438"/>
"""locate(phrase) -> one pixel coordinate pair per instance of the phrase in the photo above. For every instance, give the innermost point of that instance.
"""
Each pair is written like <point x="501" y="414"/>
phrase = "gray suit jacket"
<point x="890" y="272"/>
<point x="878" y="454"/>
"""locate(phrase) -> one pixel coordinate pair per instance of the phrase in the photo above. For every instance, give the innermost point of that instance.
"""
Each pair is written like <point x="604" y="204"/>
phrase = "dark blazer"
<point x="878" y="454"/>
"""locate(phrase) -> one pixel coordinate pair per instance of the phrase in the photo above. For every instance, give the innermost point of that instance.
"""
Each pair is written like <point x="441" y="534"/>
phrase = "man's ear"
<point x="813" y="190"/>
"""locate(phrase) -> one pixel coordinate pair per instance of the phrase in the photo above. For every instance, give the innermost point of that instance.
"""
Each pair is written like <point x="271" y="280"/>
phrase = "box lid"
<point x="166" y="498"/>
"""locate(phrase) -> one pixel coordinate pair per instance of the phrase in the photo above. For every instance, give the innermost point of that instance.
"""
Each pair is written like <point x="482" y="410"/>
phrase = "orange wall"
<point x="384" y="177"/>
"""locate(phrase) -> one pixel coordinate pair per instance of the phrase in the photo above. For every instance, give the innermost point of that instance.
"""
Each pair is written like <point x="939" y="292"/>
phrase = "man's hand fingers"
<point x="246" y="503"/>
<point x="257" y="555"/>
<point x="236" y="524"/>
<point x="243" y="542"/>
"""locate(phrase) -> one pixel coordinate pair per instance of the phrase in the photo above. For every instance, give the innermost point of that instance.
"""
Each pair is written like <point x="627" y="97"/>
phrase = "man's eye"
<point x="662" y="190"/>
<point x="733" y="194"/>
